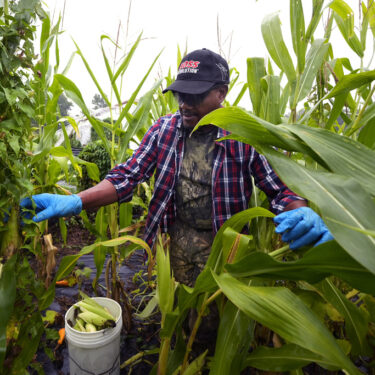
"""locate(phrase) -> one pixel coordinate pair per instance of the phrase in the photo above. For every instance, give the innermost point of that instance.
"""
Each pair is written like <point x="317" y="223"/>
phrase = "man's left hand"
<point x="302" y="227"/>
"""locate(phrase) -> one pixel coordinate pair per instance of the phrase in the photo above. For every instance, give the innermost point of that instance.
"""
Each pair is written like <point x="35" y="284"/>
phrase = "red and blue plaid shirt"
<point x="161" y="151"/>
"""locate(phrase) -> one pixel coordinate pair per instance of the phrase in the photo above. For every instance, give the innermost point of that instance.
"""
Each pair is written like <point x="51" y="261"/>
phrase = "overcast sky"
<point x="166" y="24"/>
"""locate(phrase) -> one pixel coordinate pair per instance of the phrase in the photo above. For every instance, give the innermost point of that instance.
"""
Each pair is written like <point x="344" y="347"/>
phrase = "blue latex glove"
<point x="301" y="227"/>
<point x="53" y="205"/>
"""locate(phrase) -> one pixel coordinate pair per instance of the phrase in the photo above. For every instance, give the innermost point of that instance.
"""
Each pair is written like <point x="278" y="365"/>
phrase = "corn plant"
<point x="299" y="129"/>
<point x="329" y="175"/>
<point x="130" y="126"/>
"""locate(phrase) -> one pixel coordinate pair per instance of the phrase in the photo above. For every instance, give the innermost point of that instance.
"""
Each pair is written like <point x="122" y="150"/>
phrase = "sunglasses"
<point x="193" y="100"/>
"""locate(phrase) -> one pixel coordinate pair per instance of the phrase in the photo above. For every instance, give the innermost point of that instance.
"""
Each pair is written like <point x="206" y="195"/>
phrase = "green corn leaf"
<point x="68" y="64"/>
<point x="133" y="97"/>
<point x="337" y="107"/>
<point x="235" y="245"/>
<point x="270" y="305"/>
<point x="346" y="27"/>
<point x="124" y="65"/>
<point x="53" y="171"/>
<point x="43" y="64"/>
<point x="109" y="69"/>
<point x="287" y="358"/>
<point x="255" y="72"/>
<point x="316" y="264"/>
<point x="235" y="334"/>
<point x="71" y="121"/>
<point x="165" y="282"/>
<point x="139" y="120"/>
<point x="195" y="367"/>
<point x="187" y="297"/>
<point x="241" y="123"/>
<point x="72" y="92"/>
<point x="273" y="38"/>
<point x="7" y="299"/>
<point x="297" y="26"/>
<point x="340" y="153"/>
<point x="92" y="75"/>
<point x="314" y="61"/>
<point x="284" y="99"/>
<point x="333" y="195"/>
<point x="272" y="99"/>
<point x="125" y="215"/>
<point x="343" y="10"/>
<point x="356" y="319"/>
<point x="367" y="134"/>
<point x="236" y="222"/>
<point x="100" y="253"/>
<point x="59" y="151"/>
<point x="149" y="309"/>
<point x="315" y="18"/>
<point x="69" y="261"/>
<point x="92" y="168"/>
<point x="371" y="11"/>
<point x="364" y="25"/>
<point x="250" y="129"/>
<point x="240" y="94"/>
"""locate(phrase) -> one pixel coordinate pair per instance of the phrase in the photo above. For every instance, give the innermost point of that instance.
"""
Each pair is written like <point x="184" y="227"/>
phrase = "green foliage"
<point x="96" y="153"/>
<point x="16" y="98"/>
<point x="306" y="297"/>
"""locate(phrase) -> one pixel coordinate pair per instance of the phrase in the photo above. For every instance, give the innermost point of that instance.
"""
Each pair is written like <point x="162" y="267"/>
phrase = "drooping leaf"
<point x="287" y="358"/>
<point x="333" y="195"/>
<point x="316" y="264"/>
<point x="270" y="305"/>
<point x="350" y="82"/>
<point x="340" y="153"/>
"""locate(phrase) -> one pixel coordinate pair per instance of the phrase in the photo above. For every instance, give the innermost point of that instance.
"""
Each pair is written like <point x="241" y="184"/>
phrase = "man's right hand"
<point x="53" y="205"/>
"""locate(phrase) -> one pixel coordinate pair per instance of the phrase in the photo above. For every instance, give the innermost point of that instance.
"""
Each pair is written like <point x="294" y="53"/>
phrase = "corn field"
<point x="312" y="115"/>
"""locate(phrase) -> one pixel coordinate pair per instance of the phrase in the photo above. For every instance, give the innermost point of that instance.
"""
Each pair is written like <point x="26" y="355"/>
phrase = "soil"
<point x="143" y="335"/>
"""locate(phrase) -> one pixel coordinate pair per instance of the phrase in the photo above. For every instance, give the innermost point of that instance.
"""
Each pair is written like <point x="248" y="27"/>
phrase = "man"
<point x="199" y="182"/>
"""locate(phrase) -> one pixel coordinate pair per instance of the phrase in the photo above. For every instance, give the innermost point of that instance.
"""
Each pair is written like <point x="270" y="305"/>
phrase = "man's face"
<point x="194" y="107"/>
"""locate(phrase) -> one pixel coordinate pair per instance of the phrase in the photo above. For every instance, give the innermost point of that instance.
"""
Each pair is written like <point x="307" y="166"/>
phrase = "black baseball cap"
<point x="199" y="71"/>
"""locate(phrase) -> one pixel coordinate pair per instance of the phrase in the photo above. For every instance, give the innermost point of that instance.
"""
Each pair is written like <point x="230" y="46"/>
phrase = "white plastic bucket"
<point x="94" y="353"/>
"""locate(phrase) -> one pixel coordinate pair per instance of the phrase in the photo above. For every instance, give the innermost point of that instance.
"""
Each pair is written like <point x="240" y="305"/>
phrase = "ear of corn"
<point x="95" y="308"/>
<point x="90" y="316"/>
<point x="90" y="327"/>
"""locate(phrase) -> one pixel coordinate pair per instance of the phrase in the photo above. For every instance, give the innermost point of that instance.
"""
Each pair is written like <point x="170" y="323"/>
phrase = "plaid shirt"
<point x="161" y="151"/>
